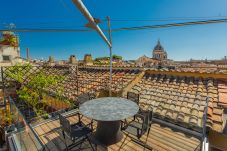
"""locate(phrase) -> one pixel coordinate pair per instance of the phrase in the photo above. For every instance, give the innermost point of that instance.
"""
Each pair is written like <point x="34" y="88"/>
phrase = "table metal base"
<point x="108" y="132"/>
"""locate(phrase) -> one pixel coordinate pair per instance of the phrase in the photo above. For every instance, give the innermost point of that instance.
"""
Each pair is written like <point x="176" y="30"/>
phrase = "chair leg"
<point x="148" y="132"/>
<point x="65" y="140"/>
<point x="80" y="145"/>
<point x="91" y="144"/>
<point x="146" y="138"/>
<point x="92" y="128"/>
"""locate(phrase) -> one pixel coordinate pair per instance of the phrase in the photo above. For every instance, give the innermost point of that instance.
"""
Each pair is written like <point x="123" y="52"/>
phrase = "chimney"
<point x="72" y="59"/>
<point x="27" y="53"/>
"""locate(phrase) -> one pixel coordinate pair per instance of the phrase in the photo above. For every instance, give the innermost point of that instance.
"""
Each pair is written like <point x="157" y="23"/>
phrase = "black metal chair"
<point x="133" y="97"/>
<point x="92" y="95"/>
<point x="138" y="127"/>
<point x="84" y="98"/>
<point x="78" y="133"/>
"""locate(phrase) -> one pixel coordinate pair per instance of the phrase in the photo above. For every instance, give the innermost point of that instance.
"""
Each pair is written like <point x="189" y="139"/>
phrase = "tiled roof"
<point x="175" y="96"/>
<point x="181" y="99"/>
<point x="97" y="79"/>
<point x="222" y="91"/>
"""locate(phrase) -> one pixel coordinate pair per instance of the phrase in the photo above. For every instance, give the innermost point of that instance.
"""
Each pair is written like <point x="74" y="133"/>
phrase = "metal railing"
<point x="204" y="145"/>
<point x="24" y="137"/>
<point x="204" y="140"/>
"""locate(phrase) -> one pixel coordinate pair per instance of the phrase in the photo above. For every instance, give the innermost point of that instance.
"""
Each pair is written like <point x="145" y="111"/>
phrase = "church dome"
<point x="158" y="47"/>
<point x="158" y="52"/>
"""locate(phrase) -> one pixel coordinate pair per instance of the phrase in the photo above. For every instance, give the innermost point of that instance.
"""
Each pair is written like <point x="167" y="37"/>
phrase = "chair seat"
<point x="135" y="124"/>
<point x="132" y="127"/>
<point x="79" y="130"/>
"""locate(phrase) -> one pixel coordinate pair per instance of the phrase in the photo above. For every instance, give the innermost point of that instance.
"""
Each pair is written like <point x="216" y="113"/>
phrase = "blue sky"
<point x="181" y="43"/>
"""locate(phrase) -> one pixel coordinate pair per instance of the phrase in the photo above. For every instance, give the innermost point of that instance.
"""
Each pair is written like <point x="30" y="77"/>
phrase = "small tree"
<point x="38" y="84"/>
<point x="18" y="72"/>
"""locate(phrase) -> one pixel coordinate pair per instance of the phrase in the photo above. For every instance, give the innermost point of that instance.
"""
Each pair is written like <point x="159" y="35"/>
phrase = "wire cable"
<point x="121" y="29"/>
<point x="173" y="25"/>
<point x="45" y="30"/>
<point x="167" y="19"/>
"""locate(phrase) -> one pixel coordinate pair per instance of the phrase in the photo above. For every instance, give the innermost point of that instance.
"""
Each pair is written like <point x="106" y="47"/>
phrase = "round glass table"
<point x="108" y="112"/>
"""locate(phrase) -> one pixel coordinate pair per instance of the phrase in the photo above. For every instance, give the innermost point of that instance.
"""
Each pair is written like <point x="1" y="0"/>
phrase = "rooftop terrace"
<point x="160" y="138"/>
<point x="178" y="100"/>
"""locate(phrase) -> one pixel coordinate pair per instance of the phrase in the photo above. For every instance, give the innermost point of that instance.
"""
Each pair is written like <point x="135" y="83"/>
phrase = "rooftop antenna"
<point x="11" y="26"/>
<point x="93" y="23"/>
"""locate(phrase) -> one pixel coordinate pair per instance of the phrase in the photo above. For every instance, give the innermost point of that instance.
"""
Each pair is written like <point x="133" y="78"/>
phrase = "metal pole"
<point x="204" y="138"/>
<point x="90" y="19"/>
<point x="27" y="54"/>
<point x="3" y="83"/>
<point x="92" y="24"/>
<point x="110" y="47"/>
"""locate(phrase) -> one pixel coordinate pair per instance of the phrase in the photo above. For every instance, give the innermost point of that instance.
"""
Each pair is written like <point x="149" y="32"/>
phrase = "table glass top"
<point x="109" y="109"/>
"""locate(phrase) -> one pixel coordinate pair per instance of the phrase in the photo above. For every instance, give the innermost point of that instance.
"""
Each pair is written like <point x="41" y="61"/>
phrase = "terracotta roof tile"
<point x="217" y="118"/>
<point x="183" y="100"/>
<point x="218" y="111"/>
<point x="217" y="126"/>
<point x="193" y="120"/>
<point x="223" y="98"/>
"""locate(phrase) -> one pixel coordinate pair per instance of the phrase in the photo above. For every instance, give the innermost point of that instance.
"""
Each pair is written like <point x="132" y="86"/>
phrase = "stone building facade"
<point x="159" y="53"/>
<point x="88" y="59"/>
<point x="159" y="58"/>
<point x="9" y="48"/>
<point x="72" y="59"/>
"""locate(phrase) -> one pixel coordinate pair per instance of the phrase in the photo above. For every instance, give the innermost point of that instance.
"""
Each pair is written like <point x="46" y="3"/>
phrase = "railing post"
<point x="204" y="137"/>
<point x="3" y="83"/>
<point x="77" y="80"/>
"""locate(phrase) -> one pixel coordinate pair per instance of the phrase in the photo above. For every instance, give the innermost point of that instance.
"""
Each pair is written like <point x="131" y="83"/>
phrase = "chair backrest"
<point x="147" y="120"/>
<point x="65" y="124"/>
<point x="92" y="95"/>
<point x="83" y="98"/>
<point x="133" y="97"/>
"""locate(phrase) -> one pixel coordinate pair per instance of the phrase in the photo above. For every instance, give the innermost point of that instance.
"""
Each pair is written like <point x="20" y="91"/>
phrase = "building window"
<point x="6" y="58"/>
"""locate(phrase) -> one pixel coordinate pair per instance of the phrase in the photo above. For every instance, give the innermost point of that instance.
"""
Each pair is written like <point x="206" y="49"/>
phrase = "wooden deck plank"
<point x="39" y="131"/>
<point x="177" y="134"/>
<point x="51" y="137"/>
<point x="126" y="144"/>
<point x="160" y="138"/>
<point x="41" y="134"/>
<point x="34" y="139"/>
<point x="29" y="141"/>
<point x="184" y="143"/>
<point x="58" y="140"/>
<point x="156" y="144"/>
<point x="48" y="144"/>
<point x="167" y="142"/>
<point x="58" y="132"/>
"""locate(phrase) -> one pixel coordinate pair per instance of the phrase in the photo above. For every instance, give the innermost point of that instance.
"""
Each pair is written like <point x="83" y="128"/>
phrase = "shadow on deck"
<point x="160" y="138"/>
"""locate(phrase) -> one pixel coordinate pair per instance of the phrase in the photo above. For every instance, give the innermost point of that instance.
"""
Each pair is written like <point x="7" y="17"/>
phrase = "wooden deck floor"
<point x="160" y="139"/>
